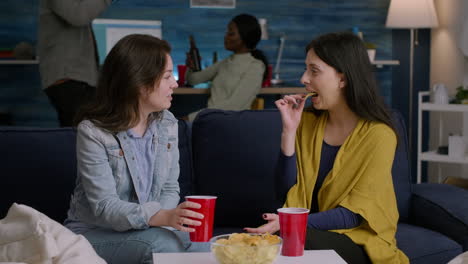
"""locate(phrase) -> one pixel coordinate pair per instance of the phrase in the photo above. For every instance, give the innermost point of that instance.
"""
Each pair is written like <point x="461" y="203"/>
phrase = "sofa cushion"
<point x="431" y="247"/>
<point x="38" y="169"/>
<point x="240" y="170"/>
<point x="440" y="207"/>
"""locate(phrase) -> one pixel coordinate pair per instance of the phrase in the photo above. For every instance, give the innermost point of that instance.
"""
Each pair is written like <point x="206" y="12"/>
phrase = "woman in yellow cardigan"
<point x="341" y="151"/>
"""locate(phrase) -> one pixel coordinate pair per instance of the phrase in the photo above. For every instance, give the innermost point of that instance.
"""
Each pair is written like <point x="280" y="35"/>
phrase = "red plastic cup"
<point x="204" y="232"/>
<point x="267" y="81"/>
<point x="293" y="227"/>
<point x="181" y="69"/>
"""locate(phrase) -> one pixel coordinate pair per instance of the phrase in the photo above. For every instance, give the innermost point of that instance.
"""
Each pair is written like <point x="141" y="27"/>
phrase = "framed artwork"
<point x="108" y="31"/>
<point x="213" y="3"/>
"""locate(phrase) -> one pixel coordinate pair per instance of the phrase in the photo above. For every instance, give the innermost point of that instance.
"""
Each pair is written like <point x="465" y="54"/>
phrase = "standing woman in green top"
<point x="237" y="79"/>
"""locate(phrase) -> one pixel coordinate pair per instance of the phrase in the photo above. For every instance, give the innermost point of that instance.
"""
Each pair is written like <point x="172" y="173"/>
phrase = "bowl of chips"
<point x="244" y="248"/>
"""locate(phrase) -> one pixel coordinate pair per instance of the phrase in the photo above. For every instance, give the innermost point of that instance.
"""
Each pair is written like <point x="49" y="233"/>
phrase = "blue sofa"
<point x="232" y="155"/>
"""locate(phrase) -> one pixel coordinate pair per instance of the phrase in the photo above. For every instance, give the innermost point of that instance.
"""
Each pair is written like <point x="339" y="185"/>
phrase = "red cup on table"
<point x="204" y="232"/>
<point x="267" y="81"/>
<point x="293" y="227"/>
<point x="181" y="69"/>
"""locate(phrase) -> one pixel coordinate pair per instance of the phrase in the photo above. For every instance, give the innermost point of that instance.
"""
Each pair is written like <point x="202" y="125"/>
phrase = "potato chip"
<point x="313" y="94"/>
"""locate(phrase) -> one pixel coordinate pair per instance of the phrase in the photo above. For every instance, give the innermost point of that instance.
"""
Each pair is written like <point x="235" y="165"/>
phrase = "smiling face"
<point x="323" y="79"/>
<point x="159" y="98"/>
<point x="232" y="39"/>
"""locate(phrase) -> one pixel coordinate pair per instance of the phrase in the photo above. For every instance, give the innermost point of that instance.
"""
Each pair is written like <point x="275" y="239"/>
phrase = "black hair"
<point x="251" y="33"/>
<point x="347" y="54"/>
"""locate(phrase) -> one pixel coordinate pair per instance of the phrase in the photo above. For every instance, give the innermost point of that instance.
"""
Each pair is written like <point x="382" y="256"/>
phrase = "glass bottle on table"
<point x="194" y="55"/>
<point x="215" y="57"/>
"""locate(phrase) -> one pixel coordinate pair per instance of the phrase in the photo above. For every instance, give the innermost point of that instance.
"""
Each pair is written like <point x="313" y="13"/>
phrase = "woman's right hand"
<point x="291" y="107"/>
<point x="271" y="227"/>
<point x="178" y="217"/>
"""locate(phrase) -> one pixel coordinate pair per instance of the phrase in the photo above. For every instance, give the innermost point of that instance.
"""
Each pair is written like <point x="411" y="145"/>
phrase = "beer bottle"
<point x="194" y="54"/>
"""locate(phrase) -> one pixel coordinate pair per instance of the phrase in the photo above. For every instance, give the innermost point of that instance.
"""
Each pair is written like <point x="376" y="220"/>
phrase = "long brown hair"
<point x="136" y="62"/>
<point x="346" y="53"/>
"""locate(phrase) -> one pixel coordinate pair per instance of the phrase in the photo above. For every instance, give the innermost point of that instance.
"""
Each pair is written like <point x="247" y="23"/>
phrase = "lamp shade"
<point x="412" y="14"/>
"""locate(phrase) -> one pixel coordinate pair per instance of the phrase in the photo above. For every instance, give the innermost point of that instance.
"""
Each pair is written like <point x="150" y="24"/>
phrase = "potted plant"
<point x="371" y="49"/>
<point x="462" y="95"/>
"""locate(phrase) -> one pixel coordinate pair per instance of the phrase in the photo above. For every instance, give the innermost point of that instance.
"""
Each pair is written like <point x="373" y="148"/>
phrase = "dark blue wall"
<point x="299" y="20"/>
<point x="400" y="80"/>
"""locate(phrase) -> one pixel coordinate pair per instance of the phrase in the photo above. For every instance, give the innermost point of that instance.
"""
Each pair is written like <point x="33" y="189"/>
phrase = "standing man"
<point x="67" y="53"/>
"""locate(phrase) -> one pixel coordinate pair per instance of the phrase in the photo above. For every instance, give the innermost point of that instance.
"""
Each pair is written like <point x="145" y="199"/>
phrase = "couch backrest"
<point x="38" y="168"/>
<point x="185" y="159"/>
<point x="234" y="157"/>
<point x="401" y="169"/>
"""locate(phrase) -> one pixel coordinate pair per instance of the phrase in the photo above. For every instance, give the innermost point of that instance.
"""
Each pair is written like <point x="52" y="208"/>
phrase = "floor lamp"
<point x="276" y="79"/>
<point x="412" y="15"/>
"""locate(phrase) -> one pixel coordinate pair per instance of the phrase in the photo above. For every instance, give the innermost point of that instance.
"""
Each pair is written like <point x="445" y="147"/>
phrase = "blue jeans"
<point x="138" y="246"/>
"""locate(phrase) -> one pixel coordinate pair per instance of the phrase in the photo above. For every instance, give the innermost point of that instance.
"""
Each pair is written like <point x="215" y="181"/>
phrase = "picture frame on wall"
<point x="213" y="3"/>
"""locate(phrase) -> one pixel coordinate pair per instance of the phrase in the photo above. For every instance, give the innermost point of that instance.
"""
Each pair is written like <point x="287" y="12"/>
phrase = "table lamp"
<point x="411" y="14"/>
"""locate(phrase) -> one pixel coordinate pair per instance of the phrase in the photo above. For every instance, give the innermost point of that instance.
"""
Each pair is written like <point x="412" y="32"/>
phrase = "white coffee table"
<point x="309" y="257"/>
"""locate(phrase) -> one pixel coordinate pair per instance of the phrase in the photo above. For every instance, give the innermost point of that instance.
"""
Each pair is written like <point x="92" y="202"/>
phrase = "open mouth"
<point x="311" y="94"/>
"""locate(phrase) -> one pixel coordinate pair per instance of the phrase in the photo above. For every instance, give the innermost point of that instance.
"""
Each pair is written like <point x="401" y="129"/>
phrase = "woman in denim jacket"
<point x="126" y="196"/>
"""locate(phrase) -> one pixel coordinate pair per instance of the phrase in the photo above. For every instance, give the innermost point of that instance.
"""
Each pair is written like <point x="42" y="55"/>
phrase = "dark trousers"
<point x="68" y="97"/>
<point x="343" y="245"/>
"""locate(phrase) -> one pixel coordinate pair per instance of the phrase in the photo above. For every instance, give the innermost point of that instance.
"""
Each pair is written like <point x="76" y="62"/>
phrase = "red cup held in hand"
<point x="204" y="232"/>
<point x="293" y="227"/>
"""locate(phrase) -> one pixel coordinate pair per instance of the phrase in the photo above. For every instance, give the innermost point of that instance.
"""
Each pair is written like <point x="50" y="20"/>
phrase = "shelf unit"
<point x="432" y="155"/>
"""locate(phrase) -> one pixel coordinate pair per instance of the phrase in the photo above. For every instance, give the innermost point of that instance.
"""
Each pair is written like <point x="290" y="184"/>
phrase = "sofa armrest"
<point x="442" y="208"/>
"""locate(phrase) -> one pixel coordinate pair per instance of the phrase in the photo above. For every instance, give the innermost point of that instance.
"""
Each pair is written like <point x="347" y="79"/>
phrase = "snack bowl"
<point x="245" y="248"/>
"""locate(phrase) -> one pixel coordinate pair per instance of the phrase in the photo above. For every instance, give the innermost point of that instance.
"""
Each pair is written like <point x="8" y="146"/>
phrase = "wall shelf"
<point x="265" y="90"/>
<point x="381" y="63"/>
<point x="18" y="62"/>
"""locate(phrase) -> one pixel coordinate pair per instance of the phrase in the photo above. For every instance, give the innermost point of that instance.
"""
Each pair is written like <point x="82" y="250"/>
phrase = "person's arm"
<point x="285" y="174"/>
<point x="79" y="12"/>
<point x="246" y="88"/>
<point x="100" y="186"/>
<point x="337" y="218"/>
<point x="205" y="75"/>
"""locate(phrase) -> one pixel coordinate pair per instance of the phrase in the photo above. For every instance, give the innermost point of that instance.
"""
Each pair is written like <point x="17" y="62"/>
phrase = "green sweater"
<point x="236" y="81"/>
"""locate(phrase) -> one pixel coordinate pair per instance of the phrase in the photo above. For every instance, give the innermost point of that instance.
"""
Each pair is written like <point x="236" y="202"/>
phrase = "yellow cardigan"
<point x="360" y="181"/>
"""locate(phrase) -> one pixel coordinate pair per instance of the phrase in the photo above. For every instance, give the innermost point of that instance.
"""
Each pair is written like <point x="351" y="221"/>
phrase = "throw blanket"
<point x="460" y="259"/>
<point x="360" y="181"/>
<point x="28" y="236"/>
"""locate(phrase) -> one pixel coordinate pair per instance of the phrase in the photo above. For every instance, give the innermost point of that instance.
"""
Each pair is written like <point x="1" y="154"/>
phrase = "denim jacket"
<point x="105" y="194"/>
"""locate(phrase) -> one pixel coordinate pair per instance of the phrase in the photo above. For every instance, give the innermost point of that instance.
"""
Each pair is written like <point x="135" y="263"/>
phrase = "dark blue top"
<point x="286" y="173"/>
